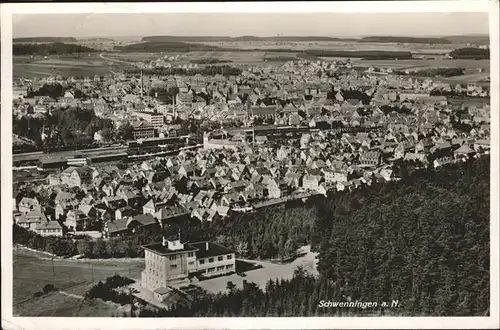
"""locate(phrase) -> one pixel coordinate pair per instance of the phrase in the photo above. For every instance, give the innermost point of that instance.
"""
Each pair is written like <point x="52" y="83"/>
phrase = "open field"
<point x="425" y="63"/>
<point x="262" y="275"/>
<point x="132" y="57"/>
<point x="332" y="45"/>
<point x="235" y="57"/>
<point x="59" y="304"/>
<point x="66" y="66"/>
<point x="32" y="271"/>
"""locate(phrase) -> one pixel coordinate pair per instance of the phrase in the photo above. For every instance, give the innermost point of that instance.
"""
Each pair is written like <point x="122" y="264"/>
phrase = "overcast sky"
<point x="205" y="24"/>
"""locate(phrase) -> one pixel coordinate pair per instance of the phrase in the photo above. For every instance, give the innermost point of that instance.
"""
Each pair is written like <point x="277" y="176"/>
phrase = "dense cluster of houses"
<point x="227" y="176"/>
<point x="289" y="94"/>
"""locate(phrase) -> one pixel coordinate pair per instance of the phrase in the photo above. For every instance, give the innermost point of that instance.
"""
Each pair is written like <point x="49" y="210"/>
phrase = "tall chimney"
<point x="206" y="245"/>
<point x="142" y="85"/>
<point x="164" y="241"/>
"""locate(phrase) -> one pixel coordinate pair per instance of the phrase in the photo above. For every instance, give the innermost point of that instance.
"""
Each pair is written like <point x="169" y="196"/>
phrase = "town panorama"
<point x="251" y="176"/>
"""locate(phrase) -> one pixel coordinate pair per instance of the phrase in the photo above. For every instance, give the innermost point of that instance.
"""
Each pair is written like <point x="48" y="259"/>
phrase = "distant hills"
<point x="177" y="46"/>
<point x="469" y="39"/>
<point x="460" y="39"/>
<point x="473" y="39"/>
<point x="410" y="40"/>
<point x="44" y="39"/>
<point x="242" y="38"/>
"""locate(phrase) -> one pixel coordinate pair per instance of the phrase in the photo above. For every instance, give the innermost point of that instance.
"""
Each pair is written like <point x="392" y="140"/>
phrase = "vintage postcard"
<point x="250" y="165"/>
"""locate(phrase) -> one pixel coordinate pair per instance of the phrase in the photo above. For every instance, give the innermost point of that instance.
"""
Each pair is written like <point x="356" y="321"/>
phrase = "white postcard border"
<point x="9" y="322"/>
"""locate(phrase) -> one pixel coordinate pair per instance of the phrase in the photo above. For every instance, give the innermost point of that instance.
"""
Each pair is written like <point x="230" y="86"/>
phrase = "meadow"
<point x="425" y="63"/>
<point x="32" y="271"/>
<point x="66" y="66"/>
<point x="58" y="304"/>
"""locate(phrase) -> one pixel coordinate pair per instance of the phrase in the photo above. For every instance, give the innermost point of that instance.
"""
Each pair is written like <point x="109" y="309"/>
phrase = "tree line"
<point x="63" y="127"/>
<point x="60" y="246"/>
<point x="433" y="72"/>
<point x="54" y="48"/>
<point x="470" y="53"/>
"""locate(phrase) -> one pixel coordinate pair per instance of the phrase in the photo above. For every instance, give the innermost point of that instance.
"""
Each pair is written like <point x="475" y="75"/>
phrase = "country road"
<point x="113" y="59"/>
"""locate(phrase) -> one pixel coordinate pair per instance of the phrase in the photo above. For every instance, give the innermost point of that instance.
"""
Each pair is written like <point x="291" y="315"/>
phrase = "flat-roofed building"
<point x="171" y="262"/>
<point x="154" y="118"/>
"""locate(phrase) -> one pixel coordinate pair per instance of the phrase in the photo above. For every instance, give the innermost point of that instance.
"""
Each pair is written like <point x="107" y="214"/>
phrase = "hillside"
<point x="290" y="38"/>
<point x="56" y="48"/>
<point x="241" y="38"/>
<point x="413" y="40"/>
<point x="44" y="39"/>
<point x="248" y="38"/>
<point x="185" y="38"/>
<point x="176" y="46"/>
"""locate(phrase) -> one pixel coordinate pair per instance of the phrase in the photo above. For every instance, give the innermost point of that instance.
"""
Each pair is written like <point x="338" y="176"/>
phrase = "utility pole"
<point x="53" y="268"/>
<point x="131" y="301"/>
<point x="92" y="267"/>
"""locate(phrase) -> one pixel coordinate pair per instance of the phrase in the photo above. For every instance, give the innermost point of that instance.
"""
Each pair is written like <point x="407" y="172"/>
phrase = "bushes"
<point x="48" y="288"/>
<point x="60" y="246"/>
<point x="106" y="292"/>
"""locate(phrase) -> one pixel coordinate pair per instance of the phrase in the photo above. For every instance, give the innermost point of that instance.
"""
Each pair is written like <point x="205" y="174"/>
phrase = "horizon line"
<point x="270" y="36"/>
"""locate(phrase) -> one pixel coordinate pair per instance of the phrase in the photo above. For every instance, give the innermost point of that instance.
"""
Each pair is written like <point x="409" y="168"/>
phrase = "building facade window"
<point x="220" y="258"/>
<point x="173" y="266"/>
<point x="190" y="254"/>
<point x="174" y="257"/>
<point x="229" y="257"/>
<point x="229" y="266"/>
<point x="210" y="260"/>
<point x="202" y="261"/>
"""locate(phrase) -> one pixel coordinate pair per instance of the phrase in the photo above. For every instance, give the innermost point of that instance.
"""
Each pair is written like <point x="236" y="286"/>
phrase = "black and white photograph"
<point x="221" y="164"/>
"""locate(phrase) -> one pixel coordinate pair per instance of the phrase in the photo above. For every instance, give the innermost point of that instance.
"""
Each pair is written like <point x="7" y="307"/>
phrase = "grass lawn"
<point x="57" y="304"/>
<point x="31" y="273"/>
